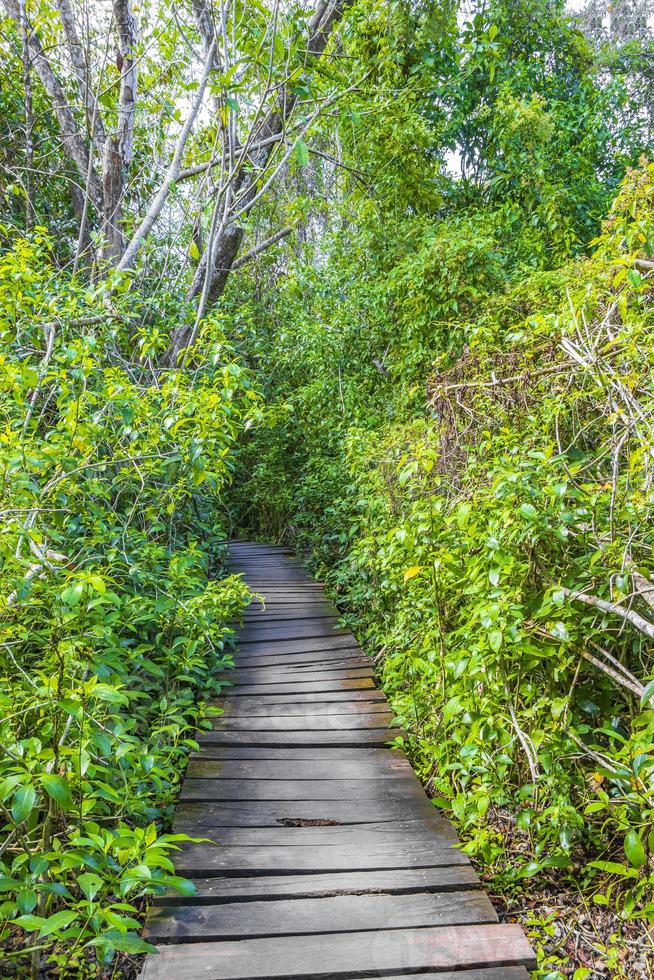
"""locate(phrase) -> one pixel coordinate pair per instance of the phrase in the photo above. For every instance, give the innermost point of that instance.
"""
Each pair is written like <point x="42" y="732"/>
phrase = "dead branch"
<point x="262" y="246"/>
<point x="629" y="615"/>
<point x="172" y="173"/>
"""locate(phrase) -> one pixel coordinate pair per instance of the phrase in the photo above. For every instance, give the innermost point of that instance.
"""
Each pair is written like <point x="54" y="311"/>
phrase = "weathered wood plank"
<point x="272" y="813"/>
<point x="302" y="789"/>
<point x="304" y="687"/>
<point x="398" y="881"/>
<point x="208" y="859"/>
<point x="283" y="675"/>
<point x="301" y="645"/>
<point x="371" y="736"/>
<point x="383" y="757"/>
<point x="305" y="723"/>
<point x="344" y="954"/>
<point x="352" y="835"/>
<point x="325" y="659"/>
<point x="348" y="657"/>
<point x="201" y="767"/>
<point x="351" y="661"/>
<point x="285" y="614"/>
<point x="492" y="973"/>
<point x="232" y="709"/>
<point x="293" y="630"/>
<point x="347" y="913"/>
<point x="304" y="697"/>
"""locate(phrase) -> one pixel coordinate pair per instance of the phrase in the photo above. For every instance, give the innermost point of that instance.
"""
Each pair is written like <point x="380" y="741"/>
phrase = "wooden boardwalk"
<point x="331" y="863"/>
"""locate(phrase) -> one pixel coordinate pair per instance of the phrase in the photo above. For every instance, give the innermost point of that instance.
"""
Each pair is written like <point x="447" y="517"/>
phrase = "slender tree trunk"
<point x="221" y="255"/>
<point x="74" y="144"/>
<point x="119" y="148"/>
<point x="29" y="117"/>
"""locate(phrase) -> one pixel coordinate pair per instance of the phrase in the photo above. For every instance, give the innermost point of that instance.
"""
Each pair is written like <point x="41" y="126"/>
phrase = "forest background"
<point x="373" y="279"/>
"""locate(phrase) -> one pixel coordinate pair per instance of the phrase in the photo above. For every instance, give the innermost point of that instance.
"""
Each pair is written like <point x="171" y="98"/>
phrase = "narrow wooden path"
<point x="331" y="863"/>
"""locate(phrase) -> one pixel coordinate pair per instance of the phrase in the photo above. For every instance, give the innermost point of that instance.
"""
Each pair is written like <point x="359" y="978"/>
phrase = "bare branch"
<point x="74" y="144"/>
<point x="119" y="148"/>
<point x="172" y="173"/>
<point x="629" y="615"/>
<point x="81" y="69"/>
<point x="262" y="246"/>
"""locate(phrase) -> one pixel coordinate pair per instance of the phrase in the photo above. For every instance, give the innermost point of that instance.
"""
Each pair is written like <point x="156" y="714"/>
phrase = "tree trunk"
<point x="73" y="142"/>
<point x="222" y="253"/>
<point x="119" y="147"/>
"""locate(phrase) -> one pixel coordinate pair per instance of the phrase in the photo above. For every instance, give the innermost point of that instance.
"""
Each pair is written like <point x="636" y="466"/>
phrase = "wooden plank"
<point x="325" y="623"/>
<point x="487" y="973"/>
<point x="344" y="954"/>
<point x="232" y="709"/>
<point x="304" y="687"/>
<point x="352" y="835"/>
<point x="402" y="881"/>
<point x="382" y="757"/>
<point x="246" y="813"/>
<point x="345" y="657"/>
<point x="206" y="768"/>
<point x="303" y="789"/>
<point x="372" y="694"/>
<point x="297" y="629"/>
<point x="208" y="859"/>
<point x="293" y="581"/>
<point x="369" y="736"/>
<point x="301" y="649"/>
<point x="301" y="645"/>
<point x="283" y="675"/>
<point x="290" y="613"/>
<point x="308" y="722"/>
<point x="346" y="913"/>
<point x="307" y="592"/>
<point x="263" y="602"/>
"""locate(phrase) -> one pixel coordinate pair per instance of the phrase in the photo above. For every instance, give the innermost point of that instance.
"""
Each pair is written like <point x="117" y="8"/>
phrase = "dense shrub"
<point x="114" y="618"/>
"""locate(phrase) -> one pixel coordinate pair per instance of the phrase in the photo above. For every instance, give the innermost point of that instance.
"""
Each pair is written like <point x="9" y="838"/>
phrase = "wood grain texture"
<point x="271" y="813"/>
<point x="344" y="954"/>
<point x="200" y="767"/>
<point x="317" y="916"/>
<point x="333" y="738"/>
<point x="398" y="881"/>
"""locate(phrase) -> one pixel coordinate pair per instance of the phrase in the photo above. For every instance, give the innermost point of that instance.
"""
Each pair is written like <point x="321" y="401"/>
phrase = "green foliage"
<point x="460" y="433"/>
<point x="113" y="623"/>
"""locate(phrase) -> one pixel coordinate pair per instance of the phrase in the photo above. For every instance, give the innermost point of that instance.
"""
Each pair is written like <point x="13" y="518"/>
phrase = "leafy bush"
<point x="114" y="622"/>
<point x="493" y="549"/>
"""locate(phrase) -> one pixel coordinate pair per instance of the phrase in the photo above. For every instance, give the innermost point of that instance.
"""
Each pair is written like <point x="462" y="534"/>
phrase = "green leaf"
<point x="495" y="639"/>
<point x="633" y="848"/>
<point x="57" y="922"/>
<point x="23" y="804"/>
<point x="57" y="788"/>
<point x="90" y="885"/>
<point x="30" y="922"/>
<point x="462" y="515"/>
<point x="129" y="943"/>
<point x="529" y="512"/>
<point x="194" y="251"/>
<point x="647" y="695"/>
<point x="302" y="153"/>
<point x="181" y="885"/>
